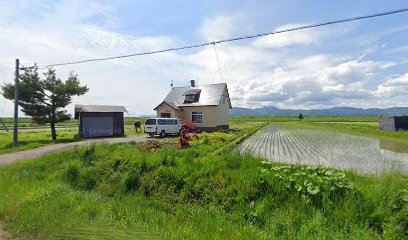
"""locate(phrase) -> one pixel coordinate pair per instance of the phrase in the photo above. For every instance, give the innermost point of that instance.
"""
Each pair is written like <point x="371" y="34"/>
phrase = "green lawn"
<point x="121" y="190"/>
<point x="29" y="140"/>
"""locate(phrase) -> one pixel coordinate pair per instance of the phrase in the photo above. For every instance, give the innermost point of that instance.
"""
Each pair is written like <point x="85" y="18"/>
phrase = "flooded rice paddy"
<point x="327" y="148"/>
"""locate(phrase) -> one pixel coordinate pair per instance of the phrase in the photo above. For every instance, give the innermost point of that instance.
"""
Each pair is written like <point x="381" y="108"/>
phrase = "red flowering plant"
<point x="188" y="131"/>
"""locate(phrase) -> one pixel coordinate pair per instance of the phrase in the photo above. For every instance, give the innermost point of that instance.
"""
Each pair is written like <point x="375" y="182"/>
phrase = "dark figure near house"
<point x="137" y="126"/>
<point x="300" y="116"/>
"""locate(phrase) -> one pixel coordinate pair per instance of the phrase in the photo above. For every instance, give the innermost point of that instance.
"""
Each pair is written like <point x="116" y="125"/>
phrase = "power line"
<point x="231" y="39"/>
<point x="218" y="62"/>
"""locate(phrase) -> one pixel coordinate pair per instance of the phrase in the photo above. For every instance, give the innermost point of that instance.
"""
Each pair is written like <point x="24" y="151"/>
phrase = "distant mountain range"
<point x="335" y="111"/>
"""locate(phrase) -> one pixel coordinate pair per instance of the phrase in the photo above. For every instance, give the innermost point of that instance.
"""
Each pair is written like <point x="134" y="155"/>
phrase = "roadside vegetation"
<point x="156" y="190"/>
<point x="192" y="194"/>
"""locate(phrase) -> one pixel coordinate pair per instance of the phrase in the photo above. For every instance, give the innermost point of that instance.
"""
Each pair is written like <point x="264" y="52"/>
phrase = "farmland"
<point x="294" y="143"/>
<point x="123" y="190"/>
<point x="211" y="191"/>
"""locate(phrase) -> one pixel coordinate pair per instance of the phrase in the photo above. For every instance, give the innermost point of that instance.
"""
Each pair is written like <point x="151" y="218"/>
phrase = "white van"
<point x="162" y="126"/>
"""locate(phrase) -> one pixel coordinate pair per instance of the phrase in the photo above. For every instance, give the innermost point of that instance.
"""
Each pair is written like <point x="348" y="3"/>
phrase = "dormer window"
<point x="192" y="95"/>
<point x="190" y="98"/>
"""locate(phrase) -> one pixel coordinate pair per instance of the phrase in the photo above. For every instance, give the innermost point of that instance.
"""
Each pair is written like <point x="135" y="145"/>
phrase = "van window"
<point x="150" y="122"/>
<point x="161" y="122"/>
<point x="171" y="122"/>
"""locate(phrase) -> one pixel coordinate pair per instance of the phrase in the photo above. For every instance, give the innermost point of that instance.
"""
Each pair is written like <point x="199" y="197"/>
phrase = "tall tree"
<point x="43" y="99"/>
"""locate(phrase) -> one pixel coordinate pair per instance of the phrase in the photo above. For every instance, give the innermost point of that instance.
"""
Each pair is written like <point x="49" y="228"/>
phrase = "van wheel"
<point x="162" y="134"/>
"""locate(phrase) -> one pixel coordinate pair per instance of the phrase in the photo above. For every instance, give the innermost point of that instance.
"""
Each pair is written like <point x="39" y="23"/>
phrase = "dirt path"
<point x="10" y="158"/>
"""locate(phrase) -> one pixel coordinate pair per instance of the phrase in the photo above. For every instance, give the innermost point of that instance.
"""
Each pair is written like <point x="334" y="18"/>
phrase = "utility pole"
<point x="15" y="127"/>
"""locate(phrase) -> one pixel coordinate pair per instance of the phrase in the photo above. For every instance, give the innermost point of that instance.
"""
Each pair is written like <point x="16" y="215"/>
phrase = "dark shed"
<point x="394" y="123"/>
<point x="100" y="120"/>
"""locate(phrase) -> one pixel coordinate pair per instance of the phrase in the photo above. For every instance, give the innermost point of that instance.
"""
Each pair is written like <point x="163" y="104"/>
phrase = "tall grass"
<point x="188" y="194"/>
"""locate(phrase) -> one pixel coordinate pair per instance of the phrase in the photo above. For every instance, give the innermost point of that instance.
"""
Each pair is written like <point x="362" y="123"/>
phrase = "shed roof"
<point x="210" y="95"/>
<point x="98" y="108"/>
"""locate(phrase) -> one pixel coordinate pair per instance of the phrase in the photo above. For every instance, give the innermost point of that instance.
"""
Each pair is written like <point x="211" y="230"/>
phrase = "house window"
<point x="190" y="98"/>
<point x="197" y="117"/>
<point x="165" y="115"/>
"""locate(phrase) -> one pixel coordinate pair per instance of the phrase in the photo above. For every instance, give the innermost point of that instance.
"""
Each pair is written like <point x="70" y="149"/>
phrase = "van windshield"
<point x="150" y="122"/>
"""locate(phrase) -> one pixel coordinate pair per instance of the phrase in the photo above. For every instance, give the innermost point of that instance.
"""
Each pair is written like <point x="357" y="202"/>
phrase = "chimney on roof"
<point x="192" y="83"/>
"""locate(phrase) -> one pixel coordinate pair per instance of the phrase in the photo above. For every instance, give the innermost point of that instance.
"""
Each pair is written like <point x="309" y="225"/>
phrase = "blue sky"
<point x="359" y="64"/>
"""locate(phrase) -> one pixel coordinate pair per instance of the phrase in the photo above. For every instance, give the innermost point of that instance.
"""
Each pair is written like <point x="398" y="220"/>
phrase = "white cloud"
<point x="303" y="37"/>
<point x="325" y="81"/>
<point x="256" y="76"/>
<point x="222" y="26"/>
<point x="393" y="87"/>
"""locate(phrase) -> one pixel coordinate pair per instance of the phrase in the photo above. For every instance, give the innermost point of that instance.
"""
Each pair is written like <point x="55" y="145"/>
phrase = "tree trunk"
<point x="52" y="124"/>
<point x="53" y="131"/>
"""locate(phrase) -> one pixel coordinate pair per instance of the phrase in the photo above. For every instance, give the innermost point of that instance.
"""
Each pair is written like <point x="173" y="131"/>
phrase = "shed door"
<point x="97" y="126"/>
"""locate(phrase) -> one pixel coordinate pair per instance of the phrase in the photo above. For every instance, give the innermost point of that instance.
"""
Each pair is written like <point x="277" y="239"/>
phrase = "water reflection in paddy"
<point x="328" y="148"/>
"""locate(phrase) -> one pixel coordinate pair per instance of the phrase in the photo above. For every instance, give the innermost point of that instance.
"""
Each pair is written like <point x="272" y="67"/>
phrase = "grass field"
<point x="33" y="136"/>
<point x="121" y="190"/>
<point x="72" y="123"/>
<point x="29" y="140"/>
<point x="38" y="136"/>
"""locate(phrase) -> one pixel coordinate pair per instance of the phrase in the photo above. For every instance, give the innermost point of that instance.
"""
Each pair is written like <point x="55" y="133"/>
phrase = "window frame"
<point x="166" y="113"/>
<point x="196" y="114"/>
<point x="189" y="98"/>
